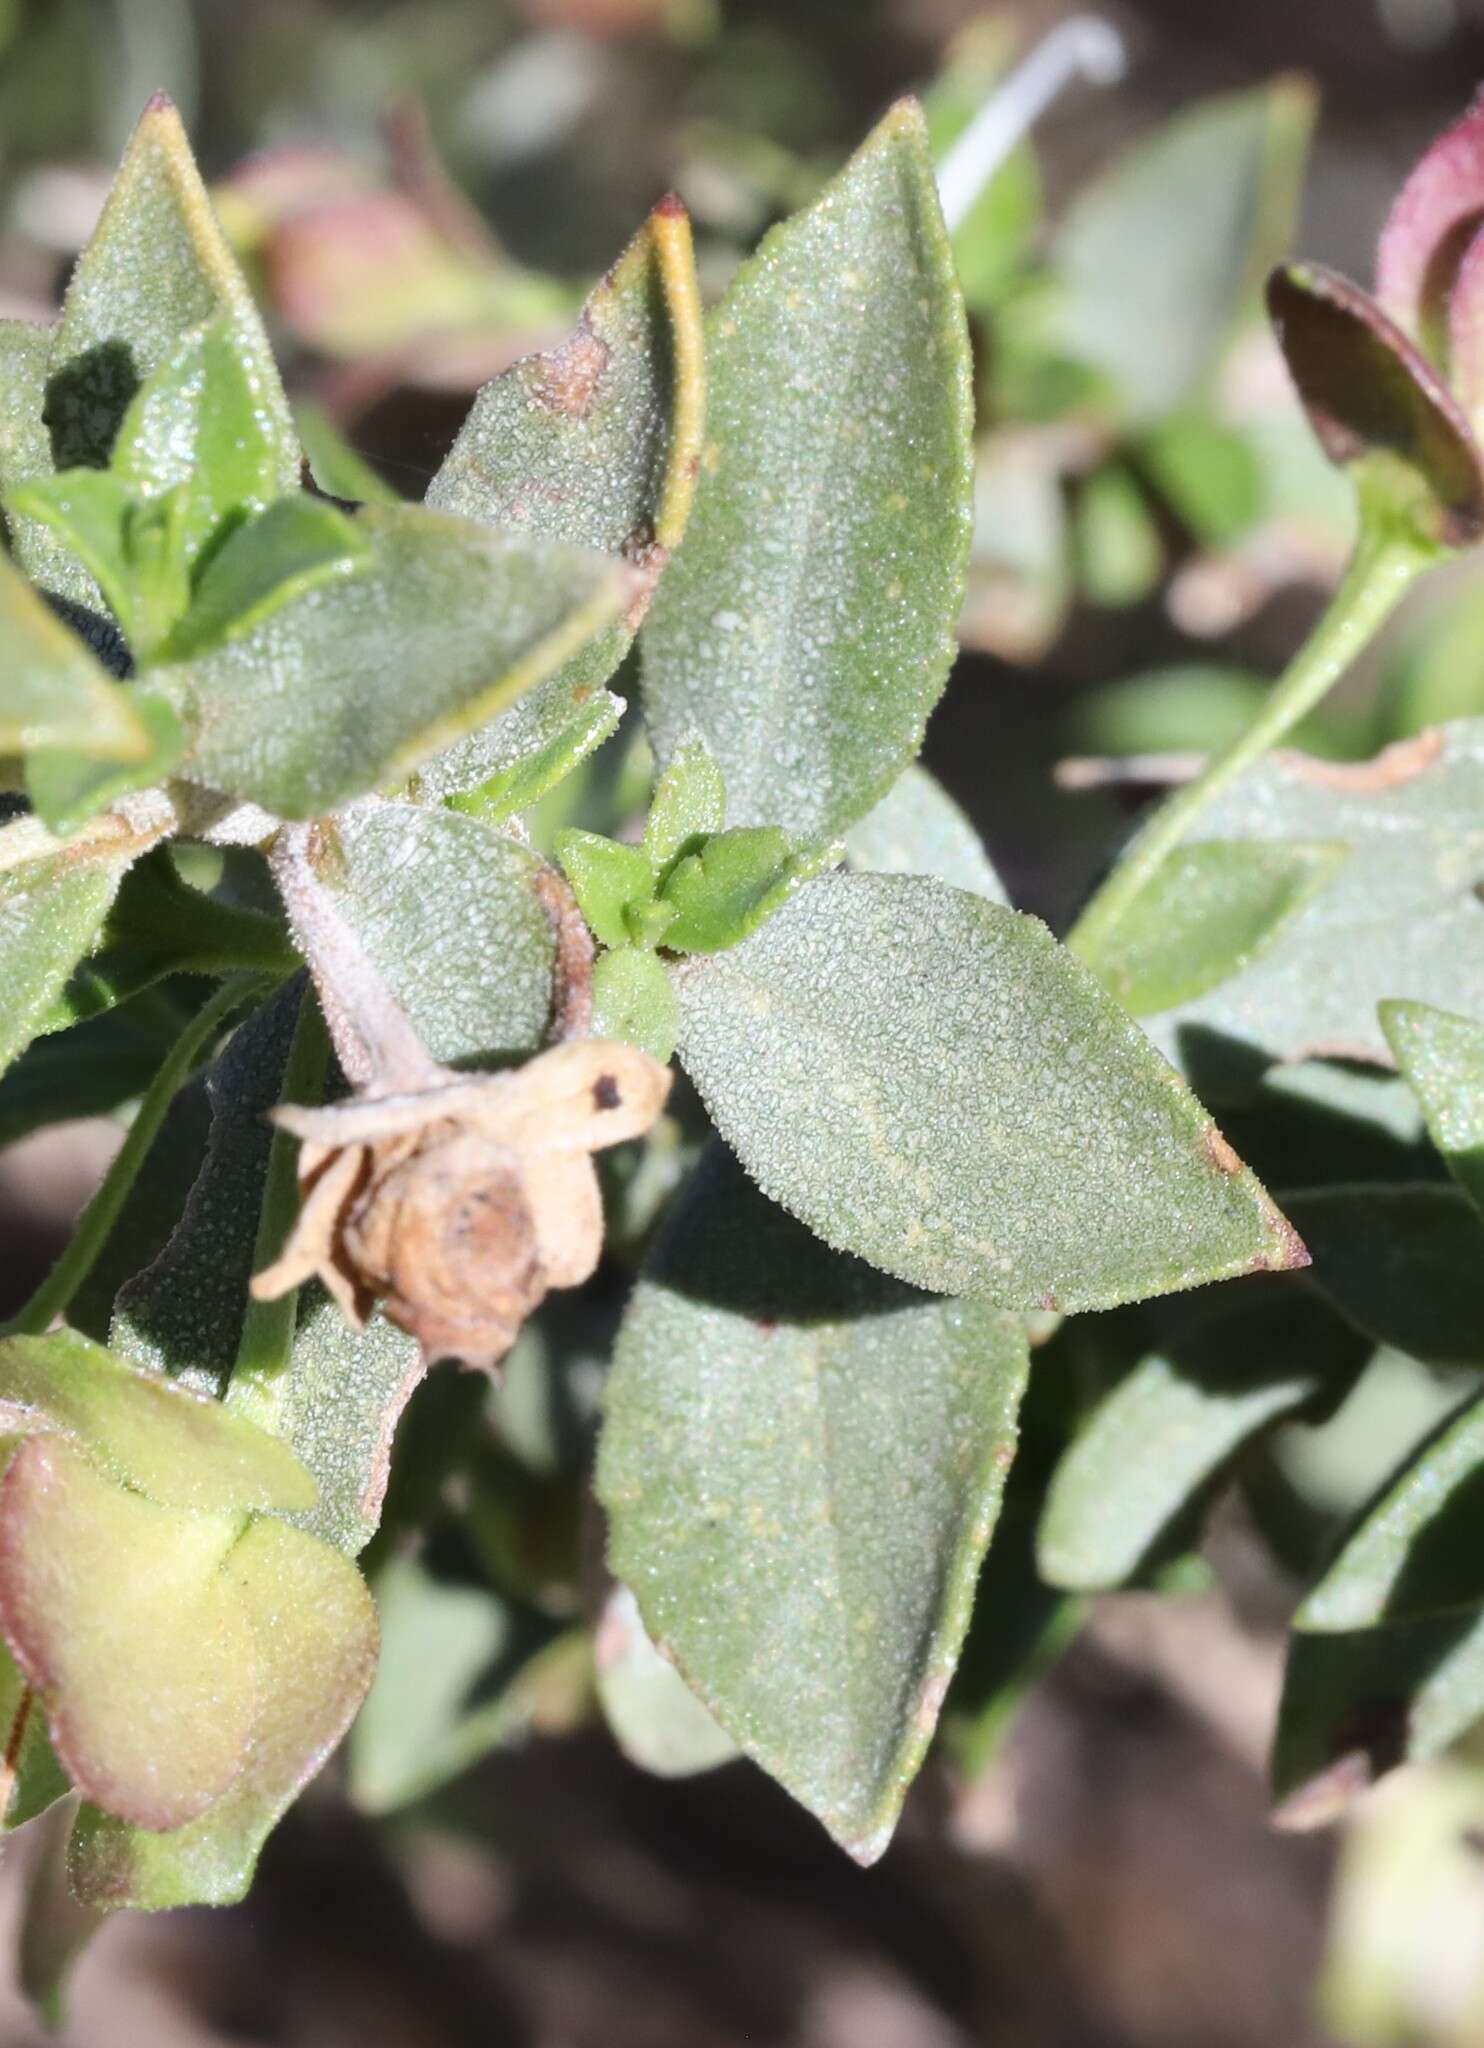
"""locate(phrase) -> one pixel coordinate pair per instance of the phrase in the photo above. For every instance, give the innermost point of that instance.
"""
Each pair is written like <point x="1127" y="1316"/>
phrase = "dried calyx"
<point x="454" y="1201"/>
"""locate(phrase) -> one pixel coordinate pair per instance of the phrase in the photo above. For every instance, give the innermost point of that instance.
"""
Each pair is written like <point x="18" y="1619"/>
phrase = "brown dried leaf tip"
<point x="458" y="1204"/>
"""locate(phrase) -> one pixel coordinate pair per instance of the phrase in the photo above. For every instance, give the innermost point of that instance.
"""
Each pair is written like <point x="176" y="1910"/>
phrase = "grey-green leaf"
<point x="929" y="1081"/>
<point x="1419" y="1550"/>
<point x="1442" y="1057"/>
<point x="802" y="1464"/>
<point x="573" y="445"/>
<point x="570" y="445"/>
<point x="1399" y="919"/>
<point x="297" y="544"/>
<point x="52" y="906"/>
<point x="1355" y="1705"/>
<point x="53" y="691"/>
<point x="1167" y="1430"/>
<point x="26" y="457"/>
<point x="451" y="913"/>
<point x="156" y="267"/>
<point x="806" y="627"/>
<point x="1159" y="256"/>
<point x="440" y="627"/>
<point x="1210" y="911"/>
<point x="917" y="829"/>
<point x="653" y="1715"/>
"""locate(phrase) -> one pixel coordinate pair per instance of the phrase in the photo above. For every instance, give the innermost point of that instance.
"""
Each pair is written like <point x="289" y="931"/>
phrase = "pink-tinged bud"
<point x="1429" y="235"/>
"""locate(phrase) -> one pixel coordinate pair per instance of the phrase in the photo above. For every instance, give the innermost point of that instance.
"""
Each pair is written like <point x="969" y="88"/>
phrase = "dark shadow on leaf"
<point x="86" y="402"/>
<point x="1350" y="1707"/>
<point x="101" y="633"/>
<point x="1289" y="1138"/>
<point x="727" y="1246"/>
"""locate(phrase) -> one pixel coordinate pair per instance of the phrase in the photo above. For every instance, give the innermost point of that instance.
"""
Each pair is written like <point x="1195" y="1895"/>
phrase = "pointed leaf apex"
<point x="160" y="102"/>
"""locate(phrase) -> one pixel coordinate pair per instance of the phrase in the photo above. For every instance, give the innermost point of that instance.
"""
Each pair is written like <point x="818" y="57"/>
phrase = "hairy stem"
<point x="373" y="1036"/>
<point x="52" y="1297"/>
<point x="1387" y="560"/>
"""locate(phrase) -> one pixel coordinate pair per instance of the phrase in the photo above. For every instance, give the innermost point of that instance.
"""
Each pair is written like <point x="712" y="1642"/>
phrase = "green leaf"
<point x="312" y="1627"/>
<point x="156" y="268"/>
<point x="87" y="511"/>
<point x="806" y="629"/>
<point x="571" y="445"/>
<point x="68" y="788"/>
<point x="1160" y="256"/>
<point x="1153" y="1447"/>
<point x="181" y="1315"/>
<point x="512" y="763"/>
<point x="443" y="625"/>
<point x="583" y="442"/>
<point x="91" y="1071"/>
<point x="1119" y="553"/>
<point x="732" y="885"/>
<point x="1208" y="913"/>
<point x="929" y="1081"/>
<point x="336" y="1401"/>
<point x="634" y="999"/>
<point x="606" y="879"/>
<point x="26" y="454"/>
<point x="55" y="1929"/>
<point x="1442" y="1057"/>
<point x="1356" y="1705"/>
<point x="1210" y="473"/>
<point x="53" y="693"/>
<point x="1416" y="1551"/>
<point x="337" y="468"/>
<point x="1404" y="1264"/>
<point x="690" y="803"/>
<point x="159" y="925"/>
<point x="51" y="908"/>
<point x="463" y="1672"/>
<point x="802" y="1463"/>
<point x="199" y="421"/>
<point x="288" y="551"/>
<point x="917" y="829"/>
<point x="118" y="1613"/>
<point x="1399" y="919"/>
<point x="35" y="1780"/>
<point x="179" y="1450"/>
<point x="653" y="1715"/>
<point x="453" y="916"/>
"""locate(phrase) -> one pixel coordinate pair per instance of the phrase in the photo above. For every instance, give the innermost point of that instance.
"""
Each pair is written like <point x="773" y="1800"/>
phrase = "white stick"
<point x="1085" y="47"/>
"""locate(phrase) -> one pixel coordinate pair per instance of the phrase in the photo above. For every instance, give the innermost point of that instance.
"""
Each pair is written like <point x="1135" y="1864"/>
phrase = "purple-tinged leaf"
<point x="1437" y="215"/>
<point x="1368" y="391"/>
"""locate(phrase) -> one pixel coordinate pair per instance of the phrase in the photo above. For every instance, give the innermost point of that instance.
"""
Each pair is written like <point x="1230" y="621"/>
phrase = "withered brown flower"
<point x="457" y="1204"/>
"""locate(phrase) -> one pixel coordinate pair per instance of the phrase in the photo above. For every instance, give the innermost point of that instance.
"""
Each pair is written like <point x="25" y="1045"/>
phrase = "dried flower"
<point x="459" y="1204"/>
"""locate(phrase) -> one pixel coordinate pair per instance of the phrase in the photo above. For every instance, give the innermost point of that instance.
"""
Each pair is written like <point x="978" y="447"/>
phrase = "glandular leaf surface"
<point x="802" y="1464"/>
<point x="929" y="1081"/>
<point x="806" y="628"/>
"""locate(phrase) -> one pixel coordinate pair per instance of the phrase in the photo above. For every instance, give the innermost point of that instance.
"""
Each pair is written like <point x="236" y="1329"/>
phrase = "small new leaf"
<point x="606" y="879"/>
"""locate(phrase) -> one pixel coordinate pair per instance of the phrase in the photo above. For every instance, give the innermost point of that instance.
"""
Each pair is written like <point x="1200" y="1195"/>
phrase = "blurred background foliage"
<point x="424" y="189"/>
